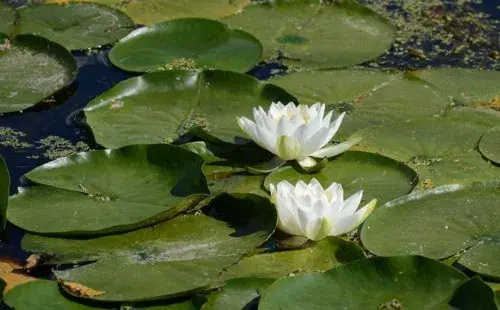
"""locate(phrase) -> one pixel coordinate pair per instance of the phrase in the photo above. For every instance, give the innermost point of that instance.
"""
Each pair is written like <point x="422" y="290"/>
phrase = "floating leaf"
<point x="324" y="255"/>
<point x="474" y="294"/>
<point x="379" y="177"/>
<point x="159" y="107"/>
<point x="457" y="220"/>
<point x="109" y="191"/>
<point x="314" y="35"/>
<point x="46" y="68"/>
<point x="466" y="86"/>
<point x="7" y="18"/>
<point x="489" y="145"/>
<point x="186" y="43"/>
<point x="4" y="192"/>
<point x="369" y="97"/>
<point x="374" y="283"/>
<point x="434" y="147"/>
<point x="182" y="255"/>
<point x="237" y="294"/>
<point x="75" y="26"/>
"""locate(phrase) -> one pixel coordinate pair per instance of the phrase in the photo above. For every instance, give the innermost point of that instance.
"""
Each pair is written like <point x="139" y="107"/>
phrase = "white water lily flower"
<point x="295" y="132"/>
<point x="309" y="210"/>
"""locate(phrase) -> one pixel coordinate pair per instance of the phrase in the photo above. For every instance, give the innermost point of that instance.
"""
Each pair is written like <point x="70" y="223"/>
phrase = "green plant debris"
<point x="423" y="161"/>
<point x="393" y="305"/>
<point x="180" y="63"/>
<point x="5" y="46"/>
<point x="196" y="120"/>
<point x="13" y="138"/>
<point x="56" y="147"/>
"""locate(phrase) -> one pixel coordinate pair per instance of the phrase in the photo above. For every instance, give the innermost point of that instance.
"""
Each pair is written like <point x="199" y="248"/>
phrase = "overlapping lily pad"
<point x="379" y="177"/>
<point x="489" y="145"/>
<point x="466" y="86"/>
<point x="159" y="107"/>
<point x="75" y="25"/>
<point x="442" y="150"/>
<point x="314" y="35"/>
<point x="446" y="221"/>
<point x="109" y="191"/>
<point x="186" y="43"/>
<point x="4" y="192"/>
<point x="46" y="68"/>
<point x="375" y="283"/>
<point x="474" y="294"/>
<point x="7" y="18"/>
<point x="369" y="97"/>
<point x="322" y="256"/>
<point x="176" y="257"/>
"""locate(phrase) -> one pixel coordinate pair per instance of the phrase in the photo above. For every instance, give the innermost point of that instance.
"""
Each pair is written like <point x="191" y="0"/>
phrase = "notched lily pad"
<point x="387" y="283"/>
<point x="457" y="219"/>
<point x="159" y="107"/>
<point x="108" y="191"/>
<point x="187" y="43"/>
<point x="489" y="145"/>
<point x="46" y="68"/>
<point x="74" y="25"/>
<point x="379" y="177"/>
<point x="313" y="35"/>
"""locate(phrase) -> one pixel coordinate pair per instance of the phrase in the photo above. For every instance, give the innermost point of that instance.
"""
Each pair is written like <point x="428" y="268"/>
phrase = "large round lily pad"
<point x="456" y="219"/>
<point x="379" y="177"/>
<point x="46" y="68"/>
<point x="186" y="43"/>
<point x="314" y="35"/>
<point x="375" y="283"/>
<point x="176" y="257"/>
<point x="369" y="97"/>
<point x="4" y="192"/>
<point x="489" y="145"/>
<point x="109" y="191"/>
<point x="159" y="107"/>
<point x="322" y="256"/>
<point x="442" y="150"/>
<point x="7" y="18"/>
<point x="466" y="86"/>
<point x="75" y="25"/>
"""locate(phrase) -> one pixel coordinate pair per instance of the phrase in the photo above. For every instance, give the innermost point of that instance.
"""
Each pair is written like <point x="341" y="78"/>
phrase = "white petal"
<point x="287" y="148"/>
<point x="248" y="127"/>
<point x="287" y="215"/>
<point x="350" y="222"/>
<point x="307" y="162"/>
<point x="266" y="139"/>
<point x="316" y="188"/>
<point x="314" y="143"/>
<point x="300" y="134"/>
<point x="336" y="124"/>
<point x="313" y="227"/>
<point x="305" y="217"/>
<point x="301" y="188"/>
<point x="285" y="186"/>
<point x="351" y="204"/>
<point x="334" y="150"/>
<point x="286" y="127"/>
<point x="314" y="125"/>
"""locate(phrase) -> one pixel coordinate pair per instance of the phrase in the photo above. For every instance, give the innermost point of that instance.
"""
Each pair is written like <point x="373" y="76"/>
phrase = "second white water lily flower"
<point x="295" y="132"/>
<point x="309" y="210"/>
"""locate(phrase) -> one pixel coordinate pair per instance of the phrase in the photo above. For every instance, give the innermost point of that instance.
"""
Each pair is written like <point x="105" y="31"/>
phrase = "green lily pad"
<point x="324" y="255"/>
<point x="379" y="177"/>
<point x="46" y="68"/>
<point x="74" y="25"/>
<point x="108" y="191"/>
<point x="184" y="305"/>
<point x="486" y="117"/>
<point x="374" y="283"/>
<point x="159" y="107"/>
<point x="178" y="257"/>
<point x="7" y="18"/>
<point x="314" y="35"/>
<point x="369" y="97"/>
<point x="4" y="192"/>
<point x="434" y="147"/>
<point x="474" y="294"/>
<point x="42" y="295"/>
<point x="457" y="220"/>
<point x="237" y="294"/>
<point x="466" y="86"/>
<point x="186" y="43"/>
<point x="489" y="145"/>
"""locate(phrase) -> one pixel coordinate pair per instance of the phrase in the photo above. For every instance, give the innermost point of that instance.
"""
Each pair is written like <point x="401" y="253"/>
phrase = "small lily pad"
<point x="314" y="35"/>
<point x="75" y="25"/>
<point x="159" y="107"/>
<point x="4" y="192"/>
<point x="474" y="294"/>
<point x="108" y="191"/>
<point x="46" y="68"/>
<point x="457" y="219"/>
<point x="177" y="257"/>
<point x="489" y="145"/>
<point x="7" y="18"/>
<point x="374" y="283"/>
<point x="186" y="43"/>
<point x="379" y="177"/>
